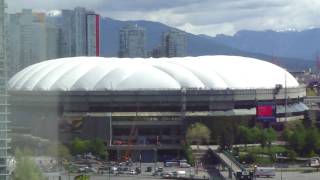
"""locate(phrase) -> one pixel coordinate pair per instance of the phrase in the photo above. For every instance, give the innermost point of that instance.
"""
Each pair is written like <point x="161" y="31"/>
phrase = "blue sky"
<point x="209" y="17"/>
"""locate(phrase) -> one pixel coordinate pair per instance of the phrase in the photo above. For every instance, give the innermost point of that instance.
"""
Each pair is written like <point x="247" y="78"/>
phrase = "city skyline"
<point x="33" y="36"/>
<point x="199" y="17"/>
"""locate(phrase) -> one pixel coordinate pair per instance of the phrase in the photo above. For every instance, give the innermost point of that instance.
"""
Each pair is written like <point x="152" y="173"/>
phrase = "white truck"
<point x="265" y="171"/>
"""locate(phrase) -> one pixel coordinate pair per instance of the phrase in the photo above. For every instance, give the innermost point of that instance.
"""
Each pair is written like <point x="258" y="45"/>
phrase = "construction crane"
<point x="127" y="154"/>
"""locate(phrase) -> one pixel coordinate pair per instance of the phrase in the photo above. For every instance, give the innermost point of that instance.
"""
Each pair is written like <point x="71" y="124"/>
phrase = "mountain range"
<point x="298" y="44"/>
<point x="292" y="50"/>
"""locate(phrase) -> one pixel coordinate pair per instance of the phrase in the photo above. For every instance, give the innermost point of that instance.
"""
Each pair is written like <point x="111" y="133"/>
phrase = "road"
<point x="295" y="176"/>
<point x="285" y="176"/>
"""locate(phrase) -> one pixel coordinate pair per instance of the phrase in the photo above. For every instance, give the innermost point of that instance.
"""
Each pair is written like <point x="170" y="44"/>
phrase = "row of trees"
<point x="199" y="133"/>
<point x="303" y="140"/>
<point x="96" y="147"/>
<point x="254" y="135"/>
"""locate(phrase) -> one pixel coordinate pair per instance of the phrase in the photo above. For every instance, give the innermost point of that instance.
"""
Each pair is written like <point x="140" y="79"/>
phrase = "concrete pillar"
<point x="118" y="155"/>
<point x="172" y="133"/>
<point x="155" y="155"/>
<point x="230" y="173"/>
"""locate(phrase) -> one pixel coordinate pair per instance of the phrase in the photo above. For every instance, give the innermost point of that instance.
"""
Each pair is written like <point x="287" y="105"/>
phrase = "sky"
<point x="210" y="17"/>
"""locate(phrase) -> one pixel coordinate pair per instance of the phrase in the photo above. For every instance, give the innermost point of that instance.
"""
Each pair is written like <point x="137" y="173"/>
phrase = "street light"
<point x="280" y="155"/>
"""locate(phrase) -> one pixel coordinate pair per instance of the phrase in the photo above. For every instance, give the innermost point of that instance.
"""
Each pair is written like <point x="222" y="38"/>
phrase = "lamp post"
<point x="276" y="91"/>
<point x="280" y="165"/>
<point x="155" y="158"/>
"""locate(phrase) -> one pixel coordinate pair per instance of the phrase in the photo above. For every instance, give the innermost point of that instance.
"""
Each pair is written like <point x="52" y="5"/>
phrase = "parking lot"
<point x="129" y="171"/>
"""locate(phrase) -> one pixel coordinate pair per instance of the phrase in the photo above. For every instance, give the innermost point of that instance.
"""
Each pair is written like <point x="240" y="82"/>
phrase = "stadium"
<point x="145" y="105"/>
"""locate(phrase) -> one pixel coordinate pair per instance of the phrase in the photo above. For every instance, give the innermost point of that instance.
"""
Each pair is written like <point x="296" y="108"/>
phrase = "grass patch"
<point x="259" y="150"/>
<point x="263" y="160"/>
<point x="259" y="155"/>
<point x="311" y="92"/>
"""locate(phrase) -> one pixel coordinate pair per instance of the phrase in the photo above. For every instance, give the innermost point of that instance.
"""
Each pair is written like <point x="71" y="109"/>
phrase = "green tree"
<point x="26" y="168"/>
<point x="58" y="150"/>
<point x="271" y="135"/>
<point x="263" y="138"/>
<point x="312" y="141"/>
<point x="79" y="146"/>
<point x="226" y="139"/>
<point x="244" y="135"/>
<point x="198" y="133"/>
<point x="98" y="148"/>
<point x="287" y="133"/>
<point x="189" y="155"/>
<point x="297" y="141"/>
<point x="254" y="134"/>
<point x="292" y="155"/>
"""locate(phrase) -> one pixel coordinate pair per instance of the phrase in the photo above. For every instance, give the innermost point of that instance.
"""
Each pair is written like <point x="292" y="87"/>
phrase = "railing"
<point x="230" y="156"/>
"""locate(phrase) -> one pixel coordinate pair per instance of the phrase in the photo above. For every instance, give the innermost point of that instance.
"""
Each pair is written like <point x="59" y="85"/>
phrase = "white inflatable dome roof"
<point x="99" y="74"/>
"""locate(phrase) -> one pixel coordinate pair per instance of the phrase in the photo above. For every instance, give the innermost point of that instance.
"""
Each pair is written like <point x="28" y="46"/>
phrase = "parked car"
<point x="149" y="169"/>
<point x="184" y="165"/>
<point x="138" y="170"/>
<point x="159" y="169"/>
<point x="132" y="172"/>
<point x="167" y="174"/>
<point x="179" y="173"/>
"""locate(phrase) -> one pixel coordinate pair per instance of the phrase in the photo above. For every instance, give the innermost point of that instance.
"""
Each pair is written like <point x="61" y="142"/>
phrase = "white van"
<point x="265" y="172"/>
<point x="314" y="162"/>
<point x="179" y="173"/>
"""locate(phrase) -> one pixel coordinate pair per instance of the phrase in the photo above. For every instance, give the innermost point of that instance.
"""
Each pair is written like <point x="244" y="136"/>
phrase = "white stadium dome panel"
<point x="100" y="74"/>
<point x="161" y="93"/>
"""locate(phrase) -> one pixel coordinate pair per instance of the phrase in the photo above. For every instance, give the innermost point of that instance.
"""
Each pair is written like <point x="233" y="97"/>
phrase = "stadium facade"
<point x="145" y="105"/>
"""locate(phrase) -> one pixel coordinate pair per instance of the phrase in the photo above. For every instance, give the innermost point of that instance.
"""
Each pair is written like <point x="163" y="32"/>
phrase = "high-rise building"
<point x="174" y="43"/>
<point x="132" y="41"/>
<point x="3" y="95"/>
<point x="25" y="24"/>
<point x="31" y="40"/>
<point x="39" y="37"/>
<point x="67" y="47"/>
<point x="80" y="33"/>
<point x="14" y="44"/>
<point x="158" y="52"/>
<point x="52" y="41"/>
<point x="93" y="34"/>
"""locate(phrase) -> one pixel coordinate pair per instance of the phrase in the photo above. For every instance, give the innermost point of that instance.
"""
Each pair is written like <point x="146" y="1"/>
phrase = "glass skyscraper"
<point x="3" y="95"/>
<point x="132" y="41"/>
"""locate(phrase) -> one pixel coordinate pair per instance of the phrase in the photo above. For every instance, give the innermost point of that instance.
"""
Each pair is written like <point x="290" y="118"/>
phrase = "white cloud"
<point x="197" y="16"/>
